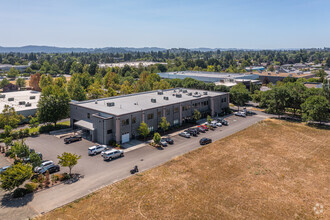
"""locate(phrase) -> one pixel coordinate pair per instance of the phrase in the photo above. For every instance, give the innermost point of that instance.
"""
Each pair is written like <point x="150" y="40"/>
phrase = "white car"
<point x="185" y="134"/>
<point x="96" y="149"/>
<point x="111" y="154"/>
<point x="163" y="142"/>
<point x="43" y="164"/>
<point x="218" y="124"/>
<point x="241" y="114"/>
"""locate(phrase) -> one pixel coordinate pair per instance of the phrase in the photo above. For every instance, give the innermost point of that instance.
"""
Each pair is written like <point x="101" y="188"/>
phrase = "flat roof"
<point x="127" y="104"/>
<point x="292" y="74"/>
<point x="20" y="96"/>
<point x="134" y="64"/>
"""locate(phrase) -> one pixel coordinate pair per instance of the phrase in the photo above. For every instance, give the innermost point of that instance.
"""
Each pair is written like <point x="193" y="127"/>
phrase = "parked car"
<point x="185" y="134"/>
<point x="111" y="154"/>
<point x="105" y="150"/>
<point x="169" y="140"/>
<point x="222" y="121"/>
<point x="52" y="168"/>
<point x="163" y="142"/>
<point x="196" y="129"/>
<point x="71" y="139"/>
<point x="96" y="149"/>
<point x="205" y="127"/>
<point x="218" y="124"/>
<point x="201" y="129"/>
<point x="43" y="164"/>
<point x="241" y="114"/>
<point x="191" y="132"/>
<point x="204" y="141"/>
<point x="3" y="169"/>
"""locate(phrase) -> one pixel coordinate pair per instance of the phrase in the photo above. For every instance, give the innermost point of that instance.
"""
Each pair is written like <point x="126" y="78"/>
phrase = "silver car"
<point x="111" y="154"/>
<point x="43" y="164"/>
<point x="96" y="149"/>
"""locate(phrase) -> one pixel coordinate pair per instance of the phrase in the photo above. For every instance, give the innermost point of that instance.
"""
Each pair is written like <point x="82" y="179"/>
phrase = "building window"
<point x="175" y="122"/>
<point x="150" y="116"/>
<point x="109" y="131"/>
<point x="151" y="129"/>
<point x="88" y="115"/>
<point x="133" y="120"/>
<point x="167" y="112"/>
<point x="224" y="100"/>
<point x="125" y="122"/>
<point x="176" y="109"/>
<point x="159" y="114"/>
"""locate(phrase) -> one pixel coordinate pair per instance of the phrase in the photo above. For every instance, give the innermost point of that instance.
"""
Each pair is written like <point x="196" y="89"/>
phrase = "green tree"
<point x="20" y="82"/>
<point x="143" y="130"/>
<point x="157" y="138"/>
<point x="7" y="130"/>
<point x="4" y="82"/>
<point x="239" y="95"/>
<point x="45" y="81"/>
<point x="197" y="115"/>
<point x="53" y="107"/>
<point x="111" y="92"/>
<point x="209" y="119"/>
<point x="15" y="176"/>
<point x="68" y="160"/>
<point x="10" y="117"/>
<point x="95" y="91"/>
<point x="295" y="92"/>
<point x="35" y="160"/>
<point x="20" y="149"/>
<point x="316" y="108"/>
<point x="13" y="73"/>
<point x="126" y="88"/>
<point x="278" y="100"/>
<point x="78" y="93"/>
<point x="164" y="124"/>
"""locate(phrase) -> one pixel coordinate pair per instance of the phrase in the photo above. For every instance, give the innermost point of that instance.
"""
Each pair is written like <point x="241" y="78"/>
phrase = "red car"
<point x="204" y="126"/>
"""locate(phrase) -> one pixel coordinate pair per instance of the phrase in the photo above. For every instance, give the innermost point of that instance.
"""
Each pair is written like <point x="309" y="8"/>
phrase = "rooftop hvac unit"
<point x="136" y="103"/>
<point x="197" y="94"/>
<point x="184" y="91"/>
<point x="165" y="98"/>
<point x="11" y="99"/>
<point x="204" y="93"/>
<point x="2" y="96"/>
<point x="160" y="92"/>
<point x="178" y="95"/>
<point x="28" y="104"/>
<point x="32" y="97"/>
<point x="180" y="90"/>
<point x="174" y="94"/>
<point x="153" y="100"/>
<point x="190" y="94"/>
<point x="110" y="104"/>
<point x="95" y="101"/>
<point x="21" y="102"/>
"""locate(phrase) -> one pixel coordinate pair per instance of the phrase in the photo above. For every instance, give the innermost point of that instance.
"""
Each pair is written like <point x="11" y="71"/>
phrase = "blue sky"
<point x="255" y="24"/>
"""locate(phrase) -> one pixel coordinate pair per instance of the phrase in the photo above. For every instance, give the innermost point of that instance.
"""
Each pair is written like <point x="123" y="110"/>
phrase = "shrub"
<point x="31" y="187"/>
<point x="7" y="154"/>
<point x="66" y="176"/>
<point x="19" y="192"/>
<point x="14" y="134"/>
<point x="55" y="178"/>
<point x="25" y="132"/>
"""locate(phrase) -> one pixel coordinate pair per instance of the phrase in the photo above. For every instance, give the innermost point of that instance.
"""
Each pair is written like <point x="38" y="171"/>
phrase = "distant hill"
<point x="49" y="49"/>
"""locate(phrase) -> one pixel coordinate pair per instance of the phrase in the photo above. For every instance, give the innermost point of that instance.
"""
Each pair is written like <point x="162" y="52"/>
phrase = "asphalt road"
<point x="98" y="173"/>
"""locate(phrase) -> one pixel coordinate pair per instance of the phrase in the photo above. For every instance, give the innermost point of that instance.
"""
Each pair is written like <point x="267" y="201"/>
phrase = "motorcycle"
<point x="134" y="170"/>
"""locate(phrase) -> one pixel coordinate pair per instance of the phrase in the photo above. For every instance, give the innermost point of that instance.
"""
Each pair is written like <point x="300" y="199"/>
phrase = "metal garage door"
<point x="125" y="138"/>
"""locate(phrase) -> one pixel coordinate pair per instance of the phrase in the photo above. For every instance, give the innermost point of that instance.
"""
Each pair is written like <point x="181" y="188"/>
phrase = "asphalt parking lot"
<point x="98" y="173"/>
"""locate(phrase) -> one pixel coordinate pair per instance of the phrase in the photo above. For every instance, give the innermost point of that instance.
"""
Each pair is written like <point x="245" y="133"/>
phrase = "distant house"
<point x="10" y="87"/>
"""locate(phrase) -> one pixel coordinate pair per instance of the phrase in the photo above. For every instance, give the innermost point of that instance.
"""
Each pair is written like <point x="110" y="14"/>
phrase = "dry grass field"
<point x="272" y="170"/>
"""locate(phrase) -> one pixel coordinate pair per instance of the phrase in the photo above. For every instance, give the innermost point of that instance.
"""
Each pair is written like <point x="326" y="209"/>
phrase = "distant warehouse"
<point x="227" y="79"/>
<point x="118" y="118"/>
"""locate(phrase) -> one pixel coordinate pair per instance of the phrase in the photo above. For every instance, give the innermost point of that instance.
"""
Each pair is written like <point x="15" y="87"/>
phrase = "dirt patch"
<point x="272" y="170"/>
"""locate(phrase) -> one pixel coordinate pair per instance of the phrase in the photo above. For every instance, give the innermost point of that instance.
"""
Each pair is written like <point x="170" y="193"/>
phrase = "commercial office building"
<point x="118" y="118"/>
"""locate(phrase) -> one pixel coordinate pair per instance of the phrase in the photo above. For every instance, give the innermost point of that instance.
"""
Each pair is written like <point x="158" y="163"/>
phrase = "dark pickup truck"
<point x="70" y="139"/>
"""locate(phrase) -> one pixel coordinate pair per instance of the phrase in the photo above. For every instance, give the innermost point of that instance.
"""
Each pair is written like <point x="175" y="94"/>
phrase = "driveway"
<point x="98" y="173"/>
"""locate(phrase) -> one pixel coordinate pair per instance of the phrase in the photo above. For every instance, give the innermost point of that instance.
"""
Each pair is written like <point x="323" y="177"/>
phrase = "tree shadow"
<point x="7" y="200"/>
<point x="319" y="126"/>
<point x="75" y="178"/>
